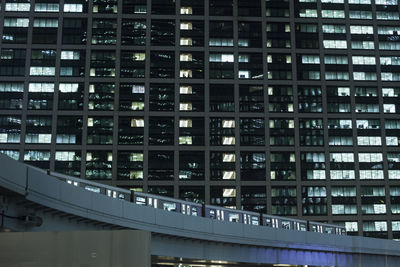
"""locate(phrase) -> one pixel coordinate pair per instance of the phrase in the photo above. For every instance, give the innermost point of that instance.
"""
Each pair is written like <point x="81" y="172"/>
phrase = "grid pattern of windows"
<point x="284" y="107"/>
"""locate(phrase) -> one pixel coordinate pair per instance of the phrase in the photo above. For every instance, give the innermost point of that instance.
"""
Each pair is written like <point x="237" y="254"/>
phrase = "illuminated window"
<point x="186" y="26"/>
<point x="73" y="8"/>
<point x="351" y="226"/>
<point x="45" y="23"/>
<point x="228" y="175"/>
<point x="229" y="192"/>
<point x="136" y="175"/>
<point x="228" y="140"/>
<point x="371" y="174"/>
<point x="137" y="122"/>
<point x="369" y="140"/>
<point x="46" y="7"/>
<point x="228" y="157"/>
<point x="16" y="22"/>
<point x="185" y="106"/>
<point x="308" y="13"/>
<point x="363" y="60"/>
<point x="244" y="74"/>
<point x="334" y="14"/>
<point x="70" y="55"/>
<point x="335" y="44"/>
<point x="138" y="89"/>
<point x="394" y="174"/>
<point x="186" y="74"/>
<point x="186" y="90"/>
<point x="185" y="140"/>
<point x="228" y="124"/>
<point x="18" y="7"/>
<point x="41" y="87"/>
<point x="66" y="156"/>
<point x="139" y="56"/>
<point x="186" y="42"/>
<point x="360" y="29"/>
<point x="392" y="141"/>
<point x="137" y="105"/>
<point x="38" y="138"/>
<point x="42" y="71"/>
<point x="341" y="157"/>
<point x="186" y="57"/>
<point x="389" y="108"/>
<point x="136" y="157"/>
<point x="342" y="174"/>
<point x="185" y="123"/>
<point x="221" y="58"/>
<point x="186" y="10"/>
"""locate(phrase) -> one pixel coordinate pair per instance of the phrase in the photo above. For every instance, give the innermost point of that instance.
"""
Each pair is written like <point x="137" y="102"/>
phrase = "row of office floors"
<point x="281" y="107"/>
<point x="229" y="159"/>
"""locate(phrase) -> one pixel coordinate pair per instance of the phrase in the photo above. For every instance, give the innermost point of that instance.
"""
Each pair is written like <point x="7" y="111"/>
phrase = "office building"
<point x="286" y="107"/>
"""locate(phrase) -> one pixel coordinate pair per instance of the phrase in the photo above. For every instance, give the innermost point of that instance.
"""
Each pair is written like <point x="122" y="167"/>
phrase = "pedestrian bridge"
<point x="35" y="202"/>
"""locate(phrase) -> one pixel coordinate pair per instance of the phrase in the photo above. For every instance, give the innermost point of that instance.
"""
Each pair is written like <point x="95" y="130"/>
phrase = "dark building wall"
<point x="283" y="107"/>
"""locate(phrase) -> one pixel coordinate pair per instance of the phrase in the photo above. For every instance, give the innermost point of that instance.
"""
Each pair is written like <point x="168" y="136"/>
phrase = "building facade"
<point x="277" y="106"/>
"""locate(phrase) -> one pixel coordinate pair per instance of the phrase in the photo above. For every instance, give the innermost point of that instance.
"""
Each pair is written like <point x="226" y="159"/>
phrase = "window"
<point x="32" y="155"/>
<point x="185" y="123"/>
<point x="41" y="87"/>
<point x="337" y="75"/>
<point x="333" y="14"/>
<point x="186" y="57"/>
<point x="363" y="60"/>
<point x="65" y="156"/>
<point x="228" y="140"/>
<point x="228" y="157"/>
<point x="186" y="42"/>
<point x="333" y="1"/>
<point x="386" y="2"/>
<point x="137" y="122"/>
<point x="362" y="45"/>
<point x="42" y="71"/>
<point x="333" y="28"/>
<point x="387" y="61"/>
<point x="360" y="14"/>
<point x="45" y="23"/>
<point x="364" y="76"/>
<point x="46" y="7"/>
<point x="221" y="58"/>
<point x="341" y="157"/>
<point x="310" y="59"/>
<point x="73" y="8"/>
<point x="369" y="140"/>
<point x="16" y="22"/>
<point x="186" y="26"/>
<point x="185" y="74"/>
<point x="70" y="55"/>
<point x="334" y="59"/>
<point x="335" y="44"/>
<point x="18" y="7"/>
<point x="368" y="124"/>
<point x="339" y="124"/>
<point x="186" y="10"/>
<point x="358" y="29"/>
<point x="308" y="13"/>
<point x="185" y="140"/>
<point x="392" y="141"/>
<point x="387" y="15"/>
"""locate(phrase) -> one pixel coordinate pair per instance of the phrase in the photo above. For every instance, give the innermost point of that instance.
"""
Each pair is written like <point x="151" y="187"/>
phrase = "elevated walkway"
<point x="33" y="201"/>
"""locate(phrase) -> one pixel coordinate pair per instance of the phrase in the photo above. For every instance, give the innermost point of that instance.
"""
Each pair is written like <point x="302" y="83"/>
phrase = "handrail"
<point x="80" y="182"/>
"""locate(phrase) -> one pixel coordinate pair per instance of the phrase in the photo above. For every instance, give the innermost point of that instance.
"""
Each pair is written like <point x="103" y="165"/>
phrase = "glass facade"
<point x="276" y="106"/>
